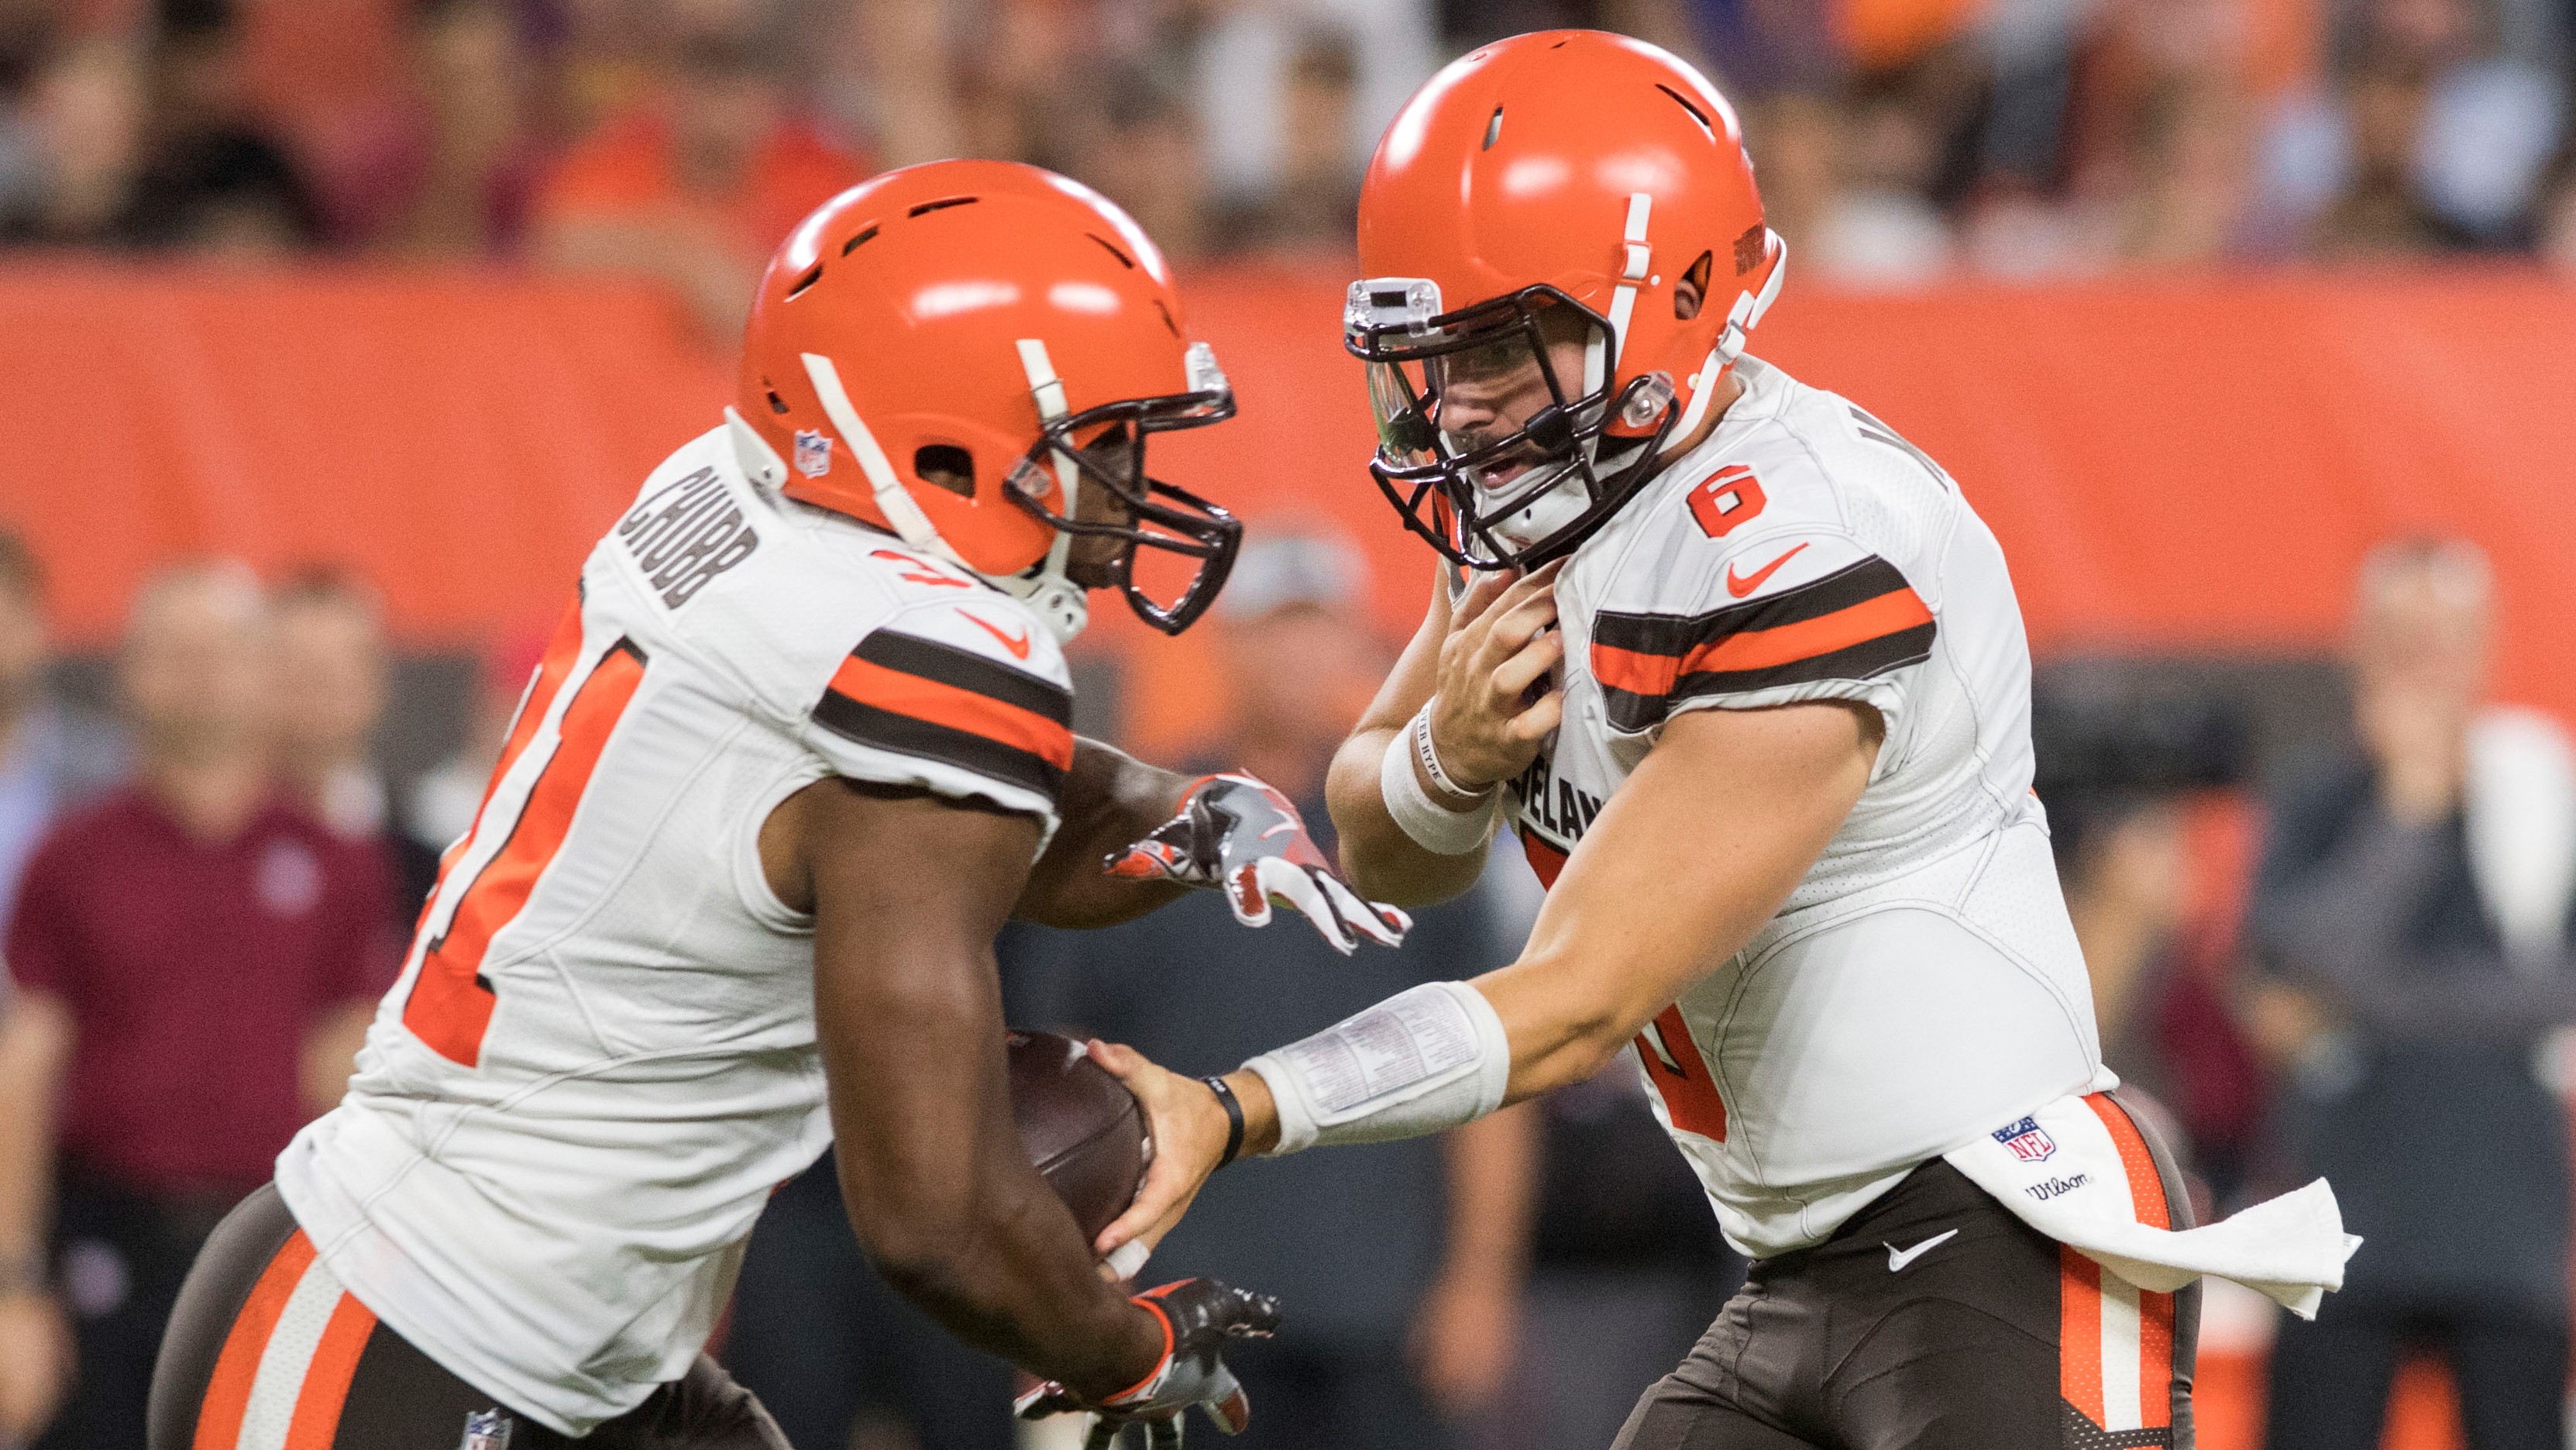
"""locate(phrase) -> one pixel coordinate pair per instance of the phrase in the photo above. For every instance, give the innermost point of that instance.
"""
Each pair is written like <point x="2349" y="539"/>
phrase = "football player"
<point x="798" y="748"/>
<point x="1744" y="672"/>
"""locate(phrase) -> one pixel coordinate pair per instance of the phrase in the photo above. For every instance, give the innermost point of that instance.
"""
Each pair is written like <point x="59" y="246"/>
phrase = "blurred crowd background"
<point x="2324" y="895"/>
<point x="1898" y="141"/>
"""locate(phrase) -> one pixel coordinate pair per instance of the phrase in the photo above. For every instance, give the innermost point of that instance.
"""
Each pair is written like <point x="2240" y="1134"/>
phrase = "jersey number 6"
<point x="1730" y="497"/>
<point x="451" y="1002"/>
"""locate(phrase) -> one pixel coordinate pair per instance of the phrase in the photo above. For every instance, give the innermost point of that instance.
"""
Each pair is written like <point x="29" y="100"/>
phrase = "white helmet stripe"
<point x="910" y="523"/>
<point x="1624" y="300"/>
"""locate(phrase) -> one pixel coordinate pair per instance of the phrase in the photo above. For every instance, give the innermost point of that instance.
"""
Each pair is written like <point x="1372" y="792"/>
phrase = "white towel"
<point x="2061" y="1170"/>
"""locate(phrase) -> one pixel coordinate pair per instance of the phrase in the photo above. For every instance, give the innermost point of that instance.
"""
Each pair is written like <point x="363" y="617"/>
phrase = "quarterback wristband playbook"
<point x="1432" y="826"/>
<point x="1422" y="1061"/>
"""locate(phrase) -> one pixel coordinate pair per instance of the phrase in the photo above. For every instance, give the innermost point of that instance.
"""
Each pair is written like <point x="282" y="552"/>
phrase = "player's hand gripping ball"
<point x="1238" y="835"/>
<point x="1200" y="1317"/>
<point x="1082" y="1129"/>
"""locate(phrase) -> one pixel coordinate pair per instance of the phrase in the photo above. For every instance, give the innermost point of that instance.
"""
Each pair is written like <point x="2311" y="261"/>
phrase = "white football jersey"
<point x="600" y="1058"/>
<point x="1922" y="983"/>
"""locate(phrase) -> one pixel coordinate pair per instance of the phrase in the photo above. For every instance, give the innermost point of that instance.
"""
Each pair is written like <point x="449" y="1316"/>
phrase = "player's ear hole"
<point x="945" y="465"/>
<point x="1691" y="288"/>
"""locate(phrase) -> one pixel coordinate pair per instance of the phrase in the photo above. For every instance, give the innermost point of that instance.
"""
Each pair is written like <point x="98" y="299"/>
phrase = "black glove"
<point x="1238" y="834"/>
<point x="1199" y="1316"/>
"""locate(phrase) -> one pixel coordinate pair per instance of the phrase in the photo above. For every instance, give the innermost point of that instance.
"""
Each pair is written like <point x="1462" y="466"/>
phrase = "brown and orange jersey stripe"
<point x="918" y="697"/>
<point x="1860" y="621"/>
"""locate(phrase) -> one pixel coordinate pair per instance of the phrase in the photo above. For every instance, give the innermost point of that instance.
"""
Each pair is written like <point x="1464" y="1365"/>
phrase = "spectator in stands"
<point x="695" y="185"/>
<point x="202" y="961"/>
<point x="2437" y="133"/>
<point x="52" y="756"/>
<point x="1403" y="1260"/>
<point x="2382" y="212"/>
<point x="1134" y="139"/>
<point x="483" y="158"/>
<point x="47" y="763"/>
<point x="1291" y="98"/>
<point x="2413" y="908"/>
<point x="1880" y="226"/>
<point x="77" y="136"/>
<point x="2554" y="222"/>
<point x="212" y="180"/>
<point x="50" y="760"/>
<point x="442" y="803"/>
<point x="335" y="663"/>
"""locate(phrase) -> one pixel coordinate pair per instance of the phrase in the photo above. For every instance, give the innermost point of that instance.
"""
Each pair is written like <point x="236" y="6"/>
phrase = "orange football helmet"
<point x="1564" y="181"/>
<point x="1001" y="325"/>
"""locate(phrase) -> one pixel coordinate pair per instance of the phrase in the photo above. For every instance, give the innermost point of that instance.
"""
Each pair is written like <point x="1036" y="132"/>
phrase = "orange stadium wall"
<point x="2172" y="465"/>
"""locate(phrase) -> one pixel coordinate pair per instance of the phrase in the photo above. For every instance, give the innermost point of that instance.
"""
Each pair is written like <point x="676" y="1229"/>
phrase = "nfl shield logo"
<point x="486" y="1430"/>
<point x="813" y="453"/>
<point x="2028" y="1141"/>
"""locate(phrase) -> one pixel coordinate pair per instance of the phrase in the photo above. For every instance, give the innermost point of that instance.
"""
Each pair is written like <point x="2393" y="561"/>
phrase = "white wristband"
<point x="1423" y="1061"/>
<point x="1419" y="731"/>
<point x="1432" y="826"/>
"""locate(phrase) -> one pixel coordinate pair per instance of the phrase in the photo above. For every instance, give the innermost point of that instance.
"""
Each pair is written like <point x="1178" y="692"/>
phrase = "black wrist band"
<point x="1233" y="1117"/>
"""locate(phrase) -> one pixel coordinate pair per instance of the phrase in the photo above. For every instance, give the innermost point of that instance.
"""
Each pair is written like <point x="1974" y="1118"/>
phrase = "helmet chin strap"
<point x="1741" y="319"/>
<point x="1044" y="594"/>
<point x="901" y="511"/>
<point x="1064" y="605"/>
<point x="760" y="462"/>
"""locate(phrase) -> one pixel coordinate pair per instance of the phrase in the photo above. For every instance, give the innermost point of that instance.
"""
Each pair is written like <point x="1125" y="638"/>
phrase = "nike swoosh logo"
<point x="1017" y="644"/>
<point x="1741" y="587"/>
<point x="1897" y="1261"/>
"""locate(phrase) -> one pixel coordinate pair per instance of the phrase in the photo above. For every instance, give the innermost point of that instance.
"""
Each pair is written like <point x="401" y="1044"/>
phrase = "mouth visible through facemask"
<point x="1551" y="487"/>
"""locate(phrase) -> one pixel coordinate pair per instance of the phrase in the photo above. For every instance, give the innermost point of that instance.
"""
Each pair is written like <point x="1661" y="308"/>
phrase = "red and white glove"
<point x="1238" y="835"/>
<point x="1199" y="1317"/>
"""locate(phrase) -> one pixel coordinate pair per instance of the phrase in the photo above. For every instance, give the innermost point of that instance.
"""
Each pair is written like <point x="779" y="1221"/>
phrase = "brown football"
<point x="1083" y="1130"/>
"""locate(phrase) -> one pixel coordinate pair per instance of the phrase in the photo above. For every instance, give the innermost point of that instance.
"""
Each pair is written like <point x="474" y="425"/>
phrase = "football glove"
<point x="1199" y="1316"/>
<point x="1238" y="835"/>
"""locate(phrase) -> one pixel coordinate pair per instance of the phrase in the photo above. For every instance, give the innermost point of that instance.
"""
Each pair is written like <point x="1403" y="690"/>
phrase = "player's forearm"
<point x="937" y="1185"/>
<point x="1005" y="1271"/>
<point x="1378" y="858"/>
<point x="1110" y="800"/>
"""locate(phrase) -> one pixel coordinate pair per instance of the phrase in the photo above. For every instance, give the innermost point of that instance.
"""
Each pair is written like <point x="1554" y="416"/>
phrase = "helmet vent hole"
<point x="945" y="465"/>
<point x="1111" y="248"/>
<point x="853" y="243"/>
<point x="1687" y="303"/>
<point x="1167" y="317"/>
<point x="777" y="404"/>
<point x="1494" y="128"/>
<point x="928" y="207"/>
<point x="1696" y="113"/>
<point x="808" y="280"/>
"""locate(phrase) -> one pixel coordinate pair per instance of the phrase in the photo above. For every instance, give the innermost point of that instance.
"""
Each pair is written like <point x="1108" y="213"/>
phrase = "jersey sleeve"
<point x="968" y="700"/>
<point x="1790" y="616"/>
